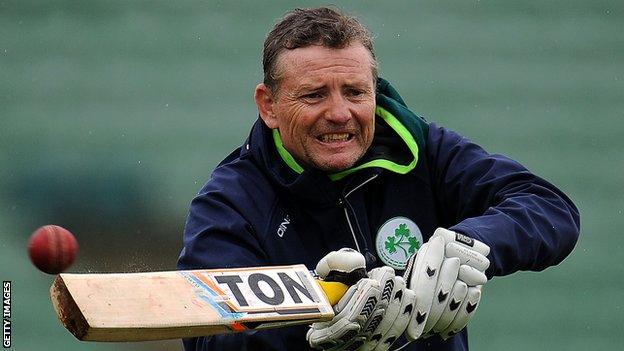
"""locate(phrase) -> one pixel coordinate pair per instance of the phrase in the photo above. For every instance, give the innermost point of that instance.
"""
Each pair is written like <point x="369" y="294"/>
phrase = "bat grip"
<point x="333" y="290"/>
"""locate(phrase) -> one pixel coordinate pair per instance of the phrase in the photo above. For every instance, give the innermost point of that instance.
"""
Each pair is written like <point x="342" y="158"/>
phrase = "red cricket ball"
<point x="52" y="249"/>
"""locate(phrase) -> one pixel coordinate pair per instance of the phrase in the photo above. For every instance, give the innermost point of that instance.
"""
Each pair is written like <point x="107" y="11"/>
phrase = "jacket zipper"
<point x="357" y="246"/>
<point x="361" y="185"/>
<point x="343" y="202"/>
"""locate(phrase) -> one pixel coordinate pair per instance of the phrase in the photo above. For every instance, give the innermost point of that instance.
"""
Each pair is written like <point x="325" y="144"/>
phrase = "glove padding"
<point x="371" y="314"/>
<point x="345" y="265"/>
<point x="399" y="301"/>
<point x="357" y="308"/>
<point x="446" y="275"/>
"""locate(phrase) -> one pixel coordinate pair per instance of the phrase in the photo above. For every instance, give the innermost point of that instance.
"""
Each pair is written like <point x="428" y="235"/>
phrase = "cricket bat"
<point x="181" y="304"/>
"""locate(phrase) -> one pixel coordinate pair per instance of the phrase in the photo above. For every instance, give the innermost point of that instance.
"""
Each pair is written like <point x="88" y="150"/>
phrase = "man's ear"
<point x="264" y="100"/>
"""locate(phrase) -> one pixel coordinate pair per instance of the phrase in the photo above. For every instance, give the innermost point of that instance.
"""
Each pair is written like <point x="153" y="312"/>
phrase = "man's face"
<point x="325" y="105"/>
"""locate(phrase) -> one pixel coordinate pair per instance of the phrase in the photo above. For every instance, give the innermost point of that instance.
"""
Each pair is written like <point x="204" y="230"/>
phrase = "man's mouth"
<point x="335" y="137"/>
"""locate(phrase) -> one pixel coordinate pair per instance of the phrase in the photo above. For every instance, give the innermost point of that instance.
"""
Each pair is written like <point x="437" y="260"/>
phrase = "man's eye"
<point x="354" y="92"/>
<point x="312" y="96"/>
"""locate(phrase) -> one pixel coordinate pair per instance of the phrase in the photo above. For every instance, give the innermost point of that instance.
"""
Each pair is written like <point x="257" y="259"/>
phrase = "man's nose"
<point x="338" y="110"/>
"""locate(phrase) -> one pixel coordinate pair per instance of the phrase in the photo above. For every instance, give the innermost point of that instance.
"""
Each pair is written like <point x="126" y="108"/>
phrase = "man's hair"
<point x="314" y="26"/>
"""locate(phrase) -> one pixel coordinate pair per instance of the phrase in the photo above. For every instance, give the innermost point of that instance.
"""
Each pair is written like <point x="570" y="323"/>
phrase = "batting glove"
<point x="370" y="315"/>
<point x="391" y="321"/>
<point x="447" y="275"/>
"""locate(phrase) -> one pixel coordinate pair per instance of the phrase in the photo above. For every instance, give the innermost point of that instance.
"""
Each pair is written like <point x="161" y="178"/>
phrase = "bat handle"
<point x="333" y="290"/>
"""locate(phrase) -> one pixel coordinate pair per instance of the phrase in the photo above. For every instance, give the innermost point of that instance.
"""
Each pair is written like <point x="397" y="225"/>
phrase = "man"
<point x="337" y="160"/>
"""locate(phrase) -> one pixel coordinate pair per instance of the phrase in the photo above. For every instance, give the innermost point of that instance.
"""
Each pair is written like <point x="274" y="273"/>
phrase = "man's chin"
<point x="334" y="158"/>
<point x="333" y="165"/>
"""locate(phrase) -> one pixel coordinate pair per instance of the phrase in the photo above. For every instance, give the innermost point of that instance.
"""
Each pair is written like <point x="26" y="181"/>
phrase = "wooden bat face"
<point x="180" y="304"/>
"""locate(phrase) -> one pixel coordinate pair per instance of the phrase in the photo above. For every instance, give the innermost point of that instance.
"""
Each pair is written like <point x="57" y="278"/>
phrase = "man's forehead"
<point x="309" y="62"/>
<point x="313" y="82"/>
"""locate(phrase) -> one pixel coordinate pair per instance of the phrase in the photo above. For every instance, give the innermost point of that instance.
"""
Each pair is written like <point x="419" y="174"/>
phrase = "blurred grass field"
<point x="114" y="113"/>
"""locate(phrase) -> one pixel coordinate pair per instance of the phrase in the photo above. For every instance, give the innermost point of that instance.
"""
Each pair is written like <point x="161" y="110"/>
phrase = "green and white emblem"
<point x="397" y="240"/>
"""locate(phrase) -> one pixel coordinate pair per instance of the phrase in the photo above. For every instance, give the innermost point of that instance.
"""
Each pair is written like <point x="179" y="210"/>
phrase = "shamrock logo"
<point x="390" y="244"/>
<point x="402" y="238"/>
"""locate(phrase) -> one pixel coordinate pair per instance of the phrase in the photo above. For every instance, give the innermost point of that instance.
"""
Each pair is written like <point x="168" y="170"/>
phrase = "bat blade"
<point x="180" y="304"/>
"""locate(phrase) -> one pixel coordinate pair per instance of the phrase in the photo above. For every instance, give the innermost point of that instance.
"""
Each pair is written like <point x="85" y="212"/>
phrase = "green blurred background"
<point x="114" y="113"/>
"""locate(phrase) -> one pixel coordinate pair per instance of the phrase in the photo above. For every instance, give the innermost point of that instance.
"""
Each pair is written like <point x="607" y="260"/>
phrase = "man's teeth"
<point x="328" y="138"/>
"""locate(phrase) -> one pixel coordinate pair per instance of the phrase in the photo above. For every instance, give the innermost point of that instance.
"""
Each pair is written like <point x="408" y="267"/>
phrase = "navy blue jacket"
<point x="259" y="208"/>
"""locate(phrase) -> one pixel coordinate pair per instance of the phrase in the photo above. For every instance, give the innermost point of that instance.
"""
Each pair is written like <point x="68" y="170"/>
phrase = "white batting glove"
<point x="447" y="275"/>
<point x="345" y="265"/>
<point x="391" y="322"/>
<point x="354" y="309"/>
<point x="372" y="313"/>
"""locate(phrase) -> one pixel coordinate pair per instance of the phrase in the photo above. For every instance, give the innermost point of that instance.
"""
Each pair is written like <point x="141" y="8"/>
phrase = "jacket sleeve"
<point x="528" y="223"/>
<point x="217" y="234"/>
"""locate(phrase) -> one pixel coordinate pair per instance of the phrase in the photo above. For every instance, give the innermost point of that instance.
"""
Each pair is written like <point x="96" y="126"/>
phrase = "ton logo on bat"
<point x="274" y="297"/>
